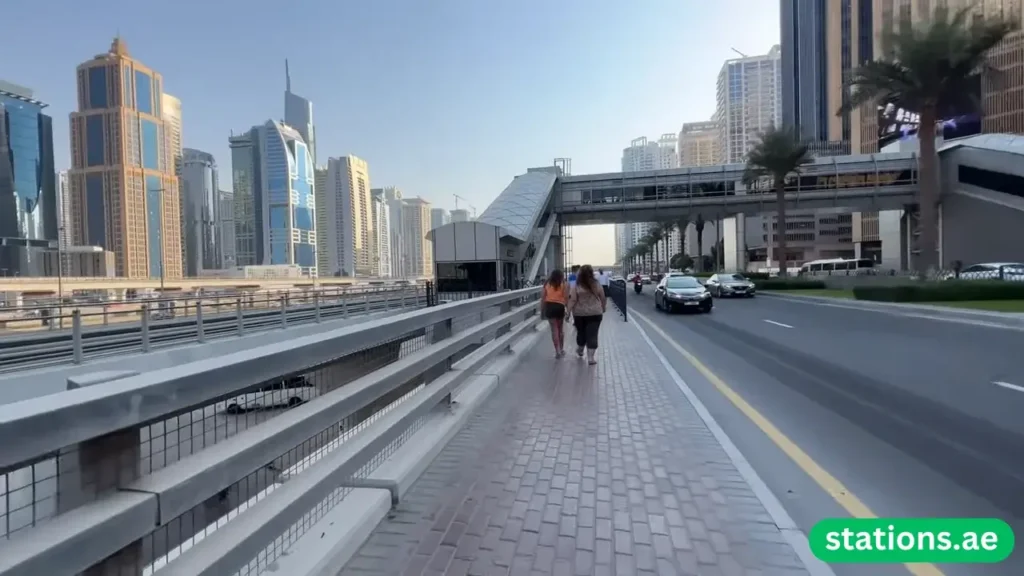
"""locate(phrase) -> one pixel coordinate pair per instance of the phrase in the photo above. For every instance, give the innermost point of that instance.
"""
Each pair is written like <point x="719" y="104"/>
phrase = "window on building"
<point x="143" y="92"/>
<point x="150" y="145"/>
<point x="991" y="180"/>
<point x="98" y="87"/>
<point x="94" y="140"/>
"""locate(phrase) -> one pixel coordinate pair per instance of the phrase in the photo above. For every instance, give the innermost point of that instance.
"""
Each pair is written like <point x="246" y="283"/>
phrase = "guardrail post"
<point x="284" y="312"/>
<point x="106" y="313"/>
<point x="76" y="335"/>
<point x="366" y="303"/>
<point x="240" y="318"/>
<point x="200" y="332"/>
<point x="344" y="303"/>
<point x="316" y="305"/>
<point x="145" y="327"/>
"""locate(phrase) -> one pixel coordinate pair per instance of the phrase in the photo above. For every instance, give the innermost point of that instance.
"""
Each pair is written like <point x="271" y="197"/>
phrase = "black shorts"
<point x="554" y="310"/>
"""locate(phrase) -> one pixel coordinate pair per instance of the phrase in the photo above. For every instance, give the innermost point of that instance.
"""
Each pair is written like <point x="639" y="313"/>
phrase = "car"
<point x="287" y="393"/>
<point x="682" y="293"/>
<point x="645" y="278"/>
<point x="1010" y="271"/>
<point x="730" y="285"/>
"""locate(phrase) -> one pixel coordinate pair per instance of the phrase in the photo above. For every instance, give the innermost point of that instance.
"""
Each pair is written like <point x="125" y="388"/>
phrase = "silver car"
<point x="730" y="285"/>
<point x="682" y="293"/>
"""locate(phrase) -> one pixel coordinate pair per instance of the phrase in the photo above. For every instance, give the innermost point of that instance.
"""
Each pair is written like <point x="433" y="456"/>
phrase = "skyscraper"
<point x="698" y="144"/>
<point x="396" y="233"/>
<point x="643" y="154"/>
<point x="749" y="102"/>
<point x="822" y="42"/>
<point x="438" y="217"/>
<point x="124" y="194"/>
<point x="200" y="214"/>
<point x="272" y="175"/>
<point x="347" y="212"/>
<point x="170" y="110"/>
<point x="381" y="233"/>
<point x="416" y="216"/>
<point x="298" y="113"/>
<point x="227" y="229"/>
<point x="28" y="189"/>
<point x="459" y="215"/>
<point x="63" y="210"/>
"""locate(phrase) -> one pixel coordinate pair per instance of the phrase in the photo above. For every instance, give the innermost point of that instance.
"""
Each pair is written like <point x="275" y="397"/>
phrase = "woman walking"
<point x="552" y="306"/>
<point x="587" y="304"/>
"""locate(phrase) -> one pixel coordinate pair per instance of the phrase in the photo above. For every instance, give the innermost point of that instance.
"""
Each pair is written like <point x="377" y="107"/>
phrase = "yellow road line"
<point x="829" y="483"/>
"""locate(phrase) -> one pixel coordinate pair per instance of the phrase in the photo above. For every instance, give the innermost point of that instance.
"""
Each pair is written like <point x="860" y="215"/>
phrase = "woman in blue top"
<point x="572" y="276"/>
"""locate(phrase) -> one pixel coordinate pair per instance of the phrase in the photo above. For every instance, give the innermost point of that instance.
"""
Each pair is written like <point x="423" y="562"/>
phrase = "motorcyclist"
<point x="638" y="283"/>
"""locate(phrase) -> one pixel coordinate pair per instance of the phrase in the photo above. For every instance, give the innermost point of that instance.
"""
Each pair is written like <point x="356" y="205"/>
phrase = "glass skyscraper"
<point x="124" y="193"/>
<point x="200" y="216"/>
<point x="272" y="177"/>
<point x="28" y="190"/>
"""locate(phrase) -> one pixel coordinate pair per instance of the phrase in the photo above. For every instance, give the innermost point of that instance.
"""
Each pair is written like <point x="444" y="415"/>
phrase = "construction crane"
<point x="471" y="207"/>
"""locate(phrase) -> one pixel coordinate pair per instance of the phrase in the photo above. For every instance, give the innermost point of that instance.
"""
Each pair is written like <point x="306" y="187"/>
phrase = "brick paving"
<point x="572" y="469"/>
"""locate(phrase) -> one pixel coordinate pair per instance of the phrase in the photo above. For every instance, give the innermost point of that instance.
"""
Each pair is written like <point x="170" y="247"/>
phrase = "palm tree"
<point x="929" y="69"/>
<point x="698" y="225"/>
<point x="656" y="234"/>
<point x="682" y="223"/>
<point x="777" y="155"/>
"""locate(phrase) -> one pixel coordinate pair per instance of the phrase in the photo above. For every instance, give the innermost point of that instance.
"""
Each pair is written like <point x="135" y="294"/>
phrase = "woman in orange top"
<point x="552" y="307"/>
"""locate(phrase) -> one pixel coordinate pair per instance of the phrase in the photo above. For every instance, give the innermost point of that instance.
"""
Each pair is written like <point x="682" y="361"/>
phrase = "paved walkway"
<point x="582" y="470"/>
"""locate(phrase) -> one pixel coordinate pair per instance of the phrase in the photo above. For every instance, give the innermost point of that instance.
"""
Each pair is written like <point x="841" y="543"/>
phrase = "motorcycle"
<point x="638" y="287"/>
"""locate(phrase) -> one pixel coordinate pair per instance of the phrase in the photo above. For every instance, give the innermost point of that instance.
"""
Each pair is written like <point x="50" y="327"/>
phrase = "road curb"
<point x="919" y="310"/>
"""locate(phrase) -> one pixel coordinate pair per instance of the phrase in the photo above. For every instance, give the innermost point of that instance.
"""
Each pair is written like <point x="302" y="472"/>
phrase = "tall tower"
<point x="298" y="113"/>
<point x="349" y="218"/>
<point x="124" y="194"/>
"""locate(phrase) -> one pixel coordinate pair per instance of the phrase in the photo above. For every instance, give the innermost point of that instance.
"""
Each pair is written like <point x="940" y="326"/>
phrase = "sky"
<point x="440" y="97"/>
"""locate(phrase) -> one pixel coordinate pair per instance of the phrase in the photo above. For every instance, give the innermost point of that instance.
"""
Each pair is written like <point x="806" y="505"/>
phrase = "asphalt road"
<point x="902" y="410"/>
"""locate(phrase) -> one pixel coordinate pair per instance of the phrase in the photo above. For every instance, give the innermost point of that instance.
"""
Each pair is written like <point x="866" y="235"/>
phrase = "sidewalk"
<point x="574" y="469"/>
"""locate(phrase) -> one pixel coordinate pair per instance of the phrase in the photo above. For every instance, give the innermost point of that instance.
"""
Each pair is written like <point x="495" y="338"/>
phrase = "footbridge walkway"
<point x="443" y="440"/>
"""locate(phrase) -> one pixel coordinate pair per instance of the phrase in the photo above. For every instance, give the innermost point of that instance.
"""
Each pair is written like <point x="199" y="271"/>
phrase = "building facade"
<point x="348" y="234"/>
<point x="272" y="176"/>
<point x="124" y="194"/>
<point x="201" y="219"/>
<point x="459" y="215"/>
<point x="298" y="113"/>
<point x="749" y="102"/>
<point x="63" y="210"/>
<point x="79" y="262"/>
<point x="28" y="184"/>
<point x="381" y="217"/>
<point x="438" y="217"/>
<point x="416" y="224"/>
<point x="698" y="144"/>
<point x="643" y="154"/>
<point x="227" y="229"/>
<point x="396" y="233"/>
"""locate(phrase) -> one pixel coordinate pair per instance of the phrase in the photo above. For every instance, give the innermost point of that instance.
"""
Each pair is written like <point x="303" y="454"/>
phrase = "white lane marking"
<point x="1009" y="386"/>
<point x="778" y="323"/>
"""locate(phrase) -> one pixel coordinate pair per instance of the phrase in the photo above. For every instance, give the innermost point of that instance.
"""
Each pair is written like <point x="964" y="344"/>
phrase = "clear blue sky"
<point x="441" y="97"/>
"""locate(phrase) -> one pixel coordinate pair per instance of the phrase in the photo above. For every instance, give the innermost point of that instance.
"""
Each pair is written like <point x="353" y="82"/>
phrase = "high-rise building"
<point x="381" y="233"/>
<point x="749" y="102"/>
<point x="170" y="110"/>
<point x="272" y="175"/>
<point x="63" y="210"/>
<point x="643" y="154"/>
<point x="298" y="113"/>
<point x="698" y="144"/>
<point x="227" y="229"/>
<point x="459" y="215"/>
<point x="416" y="215"/>
<point x="28" y="187"/>
<point x="124" y="194"/>
<point x="349" y="226"/>
<point x="396" y="233"/>
<point x="438" y="217"/>
<point x="200" y="215"/>
<point x="319" y="187"/>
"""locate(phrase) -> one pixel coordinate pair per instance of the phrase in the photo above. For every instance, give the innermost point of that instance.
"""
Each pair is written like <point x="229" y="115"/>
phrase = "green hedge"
<point x="943" y="291"/>
<point x="789" y="284"/>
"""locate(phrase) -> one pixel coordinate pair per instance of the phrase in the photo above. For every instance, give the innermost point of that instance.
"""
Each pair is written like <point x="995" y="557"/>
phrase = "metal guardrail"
<point x="201" y="322"/>
<point x="617" y="293"/>
<point x="152" y="471"/>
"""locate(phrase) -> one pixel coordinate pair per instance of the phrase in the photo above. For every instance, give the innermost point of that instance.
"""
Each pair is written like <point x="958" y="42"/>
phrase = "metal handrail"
<point x="97" y="530"/>
<point x="48" y="348"/>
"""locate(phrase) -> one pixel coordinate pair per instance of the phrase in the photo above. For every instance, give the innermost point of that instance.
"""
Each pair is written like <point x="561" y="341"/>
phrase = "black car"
<point x="729" y="285"/>
<point x="682" y="293"/>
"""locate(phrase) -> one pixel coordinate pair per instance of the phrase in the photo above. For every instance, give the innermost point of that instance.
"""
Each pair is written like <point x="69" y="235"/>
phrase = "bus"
<point x="838" y="267"/>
